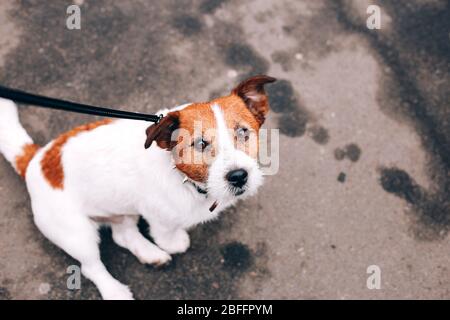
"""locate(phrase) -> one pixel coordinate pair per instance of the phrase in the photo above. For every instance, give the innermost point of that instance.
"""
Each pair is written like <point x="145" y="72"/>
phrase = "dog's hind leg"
<point x="126" y="234"/>
<point x="77" y="235"/>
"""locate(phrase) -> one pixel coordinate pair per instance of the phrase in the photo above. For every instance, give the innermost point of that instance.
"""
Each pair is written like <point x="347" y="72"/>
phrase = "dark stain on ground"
<point x="188" y="25"/>
<point x="241" y="55"/>
<point x="210" y="6"/>
<point x="4" y="294"/>
<point x="417" y="45"/>
<point x="282" y="97"/>
<point x="294" y="117"/>
<point x="341" y="177"/>
<point x="236" y="256"/>
<point x="351" y="151"/>
<point x="400" y="183"/>
<point x="314" y="35"/>
<point x="424" y="27"/>
<point x="293" y="124"/>
<point x="339" y="154"/>
<point x="283" y="58"/>
<point x="431" y="211"/>
<point x="319" y="134"/>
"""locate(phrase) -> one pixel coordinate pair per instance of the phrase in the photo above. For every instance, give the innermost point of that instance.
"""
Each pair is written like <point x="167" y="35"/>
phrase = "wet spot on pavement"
<point x="294" y="117"/>
<point x="293" y="124"/>
<point x="321" y="28"/>
<point x="424" y="27"/>
<point x="339" y="154"/>
<point x="319" y="134"/>
<point x="236" y="256"/>
<point x="283" y="58"/>
<point x="400" y="183"/>
<point x="188" y="25"/>
<point x="432" y="210"/>
<point x="351" y="151"/>
<point x="282" y="97"/>
<point x="342" y="177"/>
<point x="4" y="294"/>
<point x="241" y="55"/>
<point x="209" y="6"/>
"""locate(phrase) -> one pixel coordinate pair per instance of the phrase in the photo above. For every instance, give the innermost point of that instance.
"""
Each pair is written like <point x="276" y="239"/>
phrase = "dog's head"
<point x="215" y="144"/>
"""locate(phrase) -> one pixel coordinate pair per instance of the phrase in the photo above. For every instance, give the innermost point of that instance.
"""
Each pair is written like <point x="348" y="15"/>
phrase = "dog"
<point x="199" y="159"/>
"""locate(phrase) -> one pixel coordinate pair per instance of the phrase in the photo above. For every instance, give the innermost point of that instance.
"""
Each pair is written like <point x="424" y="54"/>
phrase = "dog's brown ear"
<point x="254" y="96"/>
<point x="161" y="132"/>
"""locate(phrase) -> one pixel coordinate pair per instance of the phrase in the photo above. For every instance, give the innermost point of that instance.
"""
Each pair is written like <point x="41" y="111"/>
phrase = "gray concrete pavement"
<point x="364" y="144"/>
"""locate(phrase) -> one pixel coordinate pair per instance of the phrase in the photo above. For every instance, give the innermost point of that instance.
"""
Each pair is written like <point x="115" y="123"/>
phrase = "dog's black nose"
<point x="237" y="178"/>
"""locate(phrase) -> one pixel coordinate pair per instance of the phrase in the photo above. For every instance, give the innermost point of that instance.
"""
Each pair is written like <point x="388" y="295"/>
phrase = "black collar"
<point x="199" y="189"/>
<point x="196" y="186"/>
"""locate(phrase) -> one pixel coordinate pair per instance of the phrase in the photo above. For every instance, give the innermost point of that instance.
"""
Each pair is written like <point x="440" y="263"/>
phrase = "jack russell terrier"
<point x="198" y="160"/>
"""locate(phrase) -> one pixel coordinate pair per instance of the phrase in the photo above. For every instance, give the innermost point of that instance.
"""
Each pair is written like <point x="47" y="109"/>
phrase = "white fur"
<point x="108" y="172"/>
<point x="12" y="135"/>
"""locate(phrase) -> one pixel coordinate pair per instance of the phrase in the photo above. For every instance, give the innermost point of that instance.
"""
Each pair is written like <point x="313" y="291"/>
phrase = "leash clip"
<point x="160" y="116"/>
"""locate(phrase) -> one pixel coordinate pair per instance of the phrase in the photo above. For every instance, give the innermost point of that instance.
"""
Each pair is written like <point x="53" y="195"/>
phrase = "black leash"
<point x="52" y="103"/>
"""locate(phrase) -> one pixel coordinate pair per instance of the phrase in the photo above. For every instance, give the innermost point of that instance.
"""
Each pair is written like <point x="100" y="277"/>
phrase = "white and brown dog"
<point x="101" y="173"/>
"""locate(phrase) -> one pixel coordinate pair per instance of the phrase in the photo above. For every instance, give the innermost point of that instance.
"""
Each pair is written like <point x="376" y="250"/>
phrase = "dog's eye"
<point x="242" y="134"/>
<point x="200" y="144"/>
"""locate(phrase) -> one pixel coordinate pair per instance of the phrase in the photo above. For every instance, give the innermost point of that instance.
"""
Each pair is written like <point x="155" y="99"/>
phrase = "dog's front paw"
<point x="177" y="242"/>
<point x="118" y="291"/>
<point x="155" y="257"/>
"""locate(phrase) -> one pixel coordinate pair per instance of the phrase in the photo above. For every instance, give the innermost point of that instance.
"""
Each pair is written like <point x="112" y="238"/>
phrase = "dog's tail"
<point x="15" y="144"/>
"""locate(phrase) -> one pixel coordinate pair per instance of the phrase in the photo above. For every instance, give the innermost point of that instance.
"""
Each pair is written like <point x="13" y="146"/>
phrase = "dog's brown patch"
<point x="235" y="112"/>
<point x="51" y="161"/>
<point x="203" y="114"/>
<point x="23" y="160"/>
